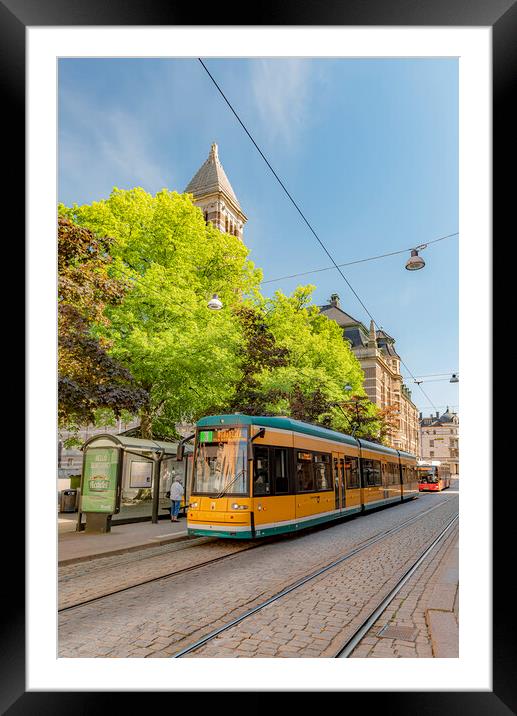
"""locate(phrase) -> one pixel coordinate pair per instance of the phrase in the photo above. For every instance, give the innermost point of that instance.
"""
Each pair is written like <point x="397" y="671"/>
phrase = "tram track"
<point x="207" y="563"/>
<point x="362" y="546"/>
<point x="158" y="578"/>
<point x="353" y="641"/>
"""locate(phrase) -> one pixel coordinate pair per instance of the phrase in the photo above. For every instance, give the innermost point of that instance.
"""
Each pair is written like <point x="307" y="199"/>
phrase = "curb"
<point x="156" y="541"/>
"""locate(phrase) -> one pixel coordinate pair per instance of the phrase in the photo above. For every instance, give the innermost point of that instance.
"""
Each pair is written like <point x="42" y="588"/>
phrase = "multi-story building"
<point x="439" y="436"/>
<point x="375" y="351"/>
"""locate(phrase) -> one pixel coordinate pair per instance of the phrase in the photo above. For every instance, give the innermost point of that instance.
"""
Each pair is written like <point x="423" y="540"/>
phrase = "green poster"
<point x="99" y="492"/>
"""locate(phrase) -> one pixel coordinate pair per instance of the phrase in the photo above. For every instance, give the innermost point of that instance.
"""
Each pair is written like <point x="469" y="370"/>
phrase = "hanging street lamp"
<point x="215" y="304"/>
<point x="415" y="261"/>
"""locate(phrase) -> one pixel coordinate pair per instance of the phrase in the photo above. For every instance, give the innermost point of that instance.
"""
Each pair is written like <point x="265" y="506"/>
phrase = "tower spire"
<point x="372" y="338"/>
<point x="214" y="195"/>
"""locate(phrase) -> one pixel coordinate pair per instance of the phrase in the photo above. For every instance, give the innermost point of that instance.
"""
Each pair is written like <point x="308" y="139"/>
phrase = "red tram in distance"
<point x="433" y="476"/>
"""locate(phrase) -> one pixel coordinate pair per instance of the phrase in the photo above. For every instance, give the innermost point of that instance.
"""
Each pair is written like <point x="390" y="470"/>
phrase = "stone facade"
<point x="439" y="436"/>
<point x="383" y="384"/>
<point x="214" y="195"/>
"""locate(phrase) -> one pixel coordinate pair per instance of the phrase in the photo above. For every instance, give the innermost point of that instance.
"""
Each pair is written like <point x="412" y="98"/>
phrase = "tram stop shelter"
<point x="126" y="479"/>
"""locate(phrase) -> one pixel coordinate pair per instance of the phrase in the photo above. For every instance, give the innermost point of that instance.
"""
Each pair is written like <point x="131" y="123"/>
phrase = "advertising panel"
<point x="100" y="471"/>
<point x="141" y="474"/>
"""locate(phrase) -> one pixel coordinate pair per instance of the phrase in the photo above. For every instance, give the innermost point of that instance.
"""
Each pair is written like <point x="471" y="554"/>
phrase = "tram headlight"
<point x="194" y="504"/>
<point x="235" y="506"/>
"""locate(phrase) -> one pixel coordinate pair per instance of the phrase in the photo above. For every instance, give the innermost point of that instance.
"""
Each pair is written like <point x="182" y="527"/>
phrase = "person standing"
<point x="176" y="495"/>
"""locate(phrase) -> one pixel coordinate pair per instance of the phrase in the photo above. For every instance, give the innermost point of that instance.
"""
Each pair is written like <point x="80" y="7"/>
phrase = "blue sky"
<point x="367" y="147"/>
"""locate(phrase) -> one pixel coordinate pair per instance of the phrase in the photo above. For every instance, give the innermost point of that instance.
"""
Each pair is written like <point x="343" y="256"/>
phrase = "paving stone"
<point x="211" y="595"/>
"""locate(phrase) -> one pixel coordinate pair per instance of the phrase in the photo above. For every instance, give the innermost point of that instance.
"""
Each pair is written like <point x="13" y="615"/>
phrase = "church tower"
<point x="214" y="195"/>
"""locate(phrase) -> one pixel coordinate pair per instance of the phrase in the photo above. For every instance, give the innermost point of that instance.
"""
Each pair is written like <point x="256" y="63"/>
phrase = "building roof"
<point x="340" y="317"/>
<point x="211" y="178"/>
<point x="447" y="417"/>
<point x="356" y="336"/>
<point x="387" y="346"/>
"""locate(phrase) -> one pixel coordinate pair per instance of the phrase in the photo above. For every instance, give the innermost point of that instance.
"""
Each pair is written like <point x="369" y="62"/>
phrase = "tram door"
<point x="338" y="463"/>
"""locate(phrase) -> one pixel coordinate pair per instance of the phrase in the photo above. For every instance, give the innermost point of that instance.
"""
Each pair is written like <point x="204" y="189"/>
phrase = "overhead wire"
<point x="335" y="265"/>
<point x="358" y="261"/>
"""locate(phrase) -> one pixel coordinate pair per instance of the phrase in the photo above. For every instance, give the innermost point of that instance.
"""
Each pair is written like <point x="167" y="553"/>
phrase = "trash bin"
<point x="68" y="500"/>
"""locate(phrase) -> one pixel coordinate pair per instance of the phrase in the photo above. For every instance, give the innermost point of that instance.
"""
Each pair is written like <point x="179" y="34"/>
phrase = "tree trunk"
<point x="146" y="423"/>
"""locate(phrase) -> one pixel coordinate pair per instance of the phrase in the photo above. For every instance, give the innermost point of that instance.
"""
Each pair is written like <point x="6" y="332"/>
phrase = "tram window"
<point x="281" y="476"/>
<point x="304" y="472"/>
<point x="261" y="482"/>
<point x="322" y="475"/>
<point x="367" y="472"/>
<point x="389" y="471"/>
<point x="384" y="473"/>
<point x="352" y="473"/>
<point x="372" y="472"/>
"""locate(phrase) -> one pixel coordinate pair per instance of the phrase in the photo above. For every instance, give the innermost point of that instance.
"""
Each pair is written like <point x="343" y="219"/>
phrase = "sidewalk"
<point x="422" y="621"/>
<point x="80" y="546"/>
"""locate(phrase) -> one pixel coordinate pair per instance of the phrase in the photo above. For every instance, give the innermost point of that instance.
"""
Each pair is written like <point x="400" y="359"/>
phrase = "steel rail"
<point x="300" y="582"/>
<point x="354" y="640"/>
<point x="158" y="578"/>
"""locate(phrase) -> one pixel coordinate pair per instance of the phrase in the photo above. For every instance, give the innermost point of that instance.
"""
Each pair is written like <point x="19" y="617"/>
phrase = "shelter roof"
<point x="139" y="444"/>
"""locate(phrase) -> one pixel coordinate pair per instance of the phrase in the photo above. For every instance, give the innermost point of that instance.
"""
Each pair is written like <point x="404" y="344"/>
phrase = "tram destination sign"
<point x="221" y="435"/>
<point x="99" y="489"/>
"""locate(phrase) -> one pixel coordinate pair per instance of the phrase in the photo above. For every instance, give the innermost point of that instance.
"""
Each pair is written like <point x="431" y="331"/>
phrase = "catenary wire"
<point x="300" y="211"/>
<point x="359" y="261"/>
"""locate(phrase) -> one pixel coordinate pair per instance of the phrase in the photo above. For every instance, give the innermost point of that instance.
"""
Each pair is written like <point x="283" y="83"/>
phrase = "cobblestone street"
<point x="160" y="618"/>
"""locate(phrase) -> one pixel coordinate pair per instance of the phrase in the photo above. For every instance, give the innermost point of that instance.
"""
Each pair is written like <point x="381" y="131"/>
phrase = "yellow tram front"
<point x="220" y="502"/>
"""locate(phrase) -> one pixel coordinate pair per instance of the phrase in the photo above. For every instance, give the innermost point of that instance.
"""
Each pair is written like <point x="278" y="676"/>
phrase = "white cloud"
<point x="102" y="148"/>
<point x="281" y="89"/>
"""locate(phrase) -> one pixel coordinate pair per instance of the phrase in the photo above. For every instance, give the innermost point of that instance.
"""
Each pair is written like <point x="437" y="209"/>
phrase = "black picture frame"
<point x="501" y="16"/>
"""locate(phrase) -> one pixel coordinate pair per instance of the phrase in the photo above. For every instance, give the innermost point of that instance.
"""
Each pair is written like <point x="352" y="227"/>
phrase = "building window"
<point x="431" y="443"/>
<point x="431" y="453"/>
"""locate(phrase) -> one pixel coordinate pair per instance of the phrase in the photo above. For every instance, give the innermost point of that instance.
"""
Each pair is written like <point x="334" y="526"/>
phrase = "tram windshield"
<point x="220" y="462"/>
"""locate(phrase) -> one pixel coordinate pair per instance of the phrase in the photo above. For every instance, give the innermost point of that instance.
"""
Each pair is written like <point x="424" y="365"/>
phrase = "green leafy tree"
<point x="89" y="378"/>
<point x="295" y="360"/>
<point x="258" y="353"/>
<point x="182" y="354"/>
